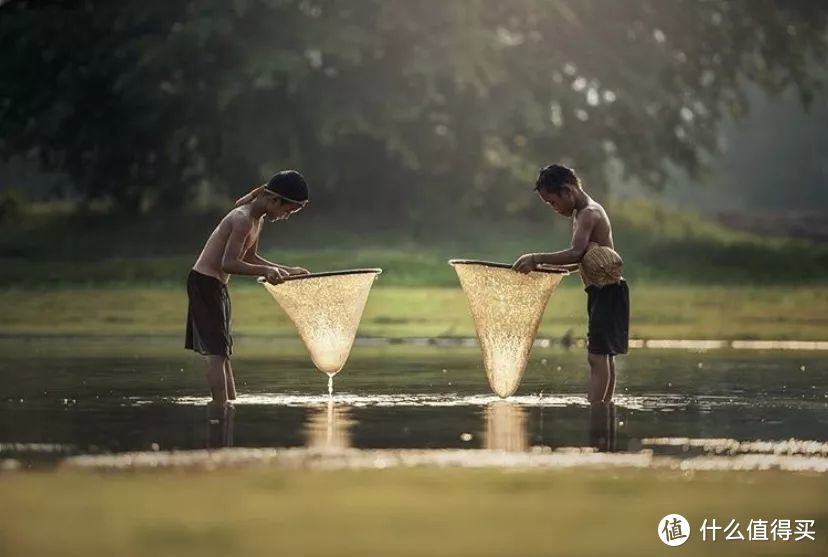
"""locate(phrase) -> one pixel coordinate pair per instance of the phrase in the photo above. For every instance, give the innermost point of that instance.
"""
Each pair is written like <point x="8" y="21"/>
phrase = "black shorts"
<point x="608" y="308"/>
<point x="208" y="316"/>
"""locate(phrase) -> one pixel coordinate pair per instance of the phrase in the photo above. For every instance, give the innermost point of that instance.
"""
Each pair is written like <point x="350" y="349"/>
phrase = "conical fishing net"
<point x="326" y="309"/>
<point x="506" y="307"/>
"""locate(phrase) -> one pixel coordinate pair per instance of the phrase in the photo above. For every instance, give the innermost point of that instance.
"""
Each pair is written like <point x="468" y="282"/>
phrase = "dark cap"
<point x="290" y="186"/>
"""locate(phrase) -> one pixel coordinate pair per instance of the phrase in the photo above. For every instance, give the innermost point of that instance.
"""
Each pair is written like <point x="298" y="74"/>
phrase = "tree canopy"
<point x="404" y="106"/>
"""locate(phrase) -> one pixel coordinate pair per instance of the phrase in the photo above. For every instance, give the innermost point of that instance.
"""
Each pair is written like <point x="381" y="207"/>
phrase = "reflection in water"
<point x="505" y="428"/>
<point x="220" y="421"/>
<point x="602" y="426"/>
<point x="329" y="428"/>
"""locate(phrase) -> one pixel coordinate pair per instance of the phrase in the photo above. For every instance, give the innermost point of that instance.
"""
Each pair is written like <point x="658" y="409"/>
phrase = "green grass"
<point x="416" y="512"/>
<point x="92" y="274"/>
<point x="658" y="311"/>
<point x="658" y="245"/>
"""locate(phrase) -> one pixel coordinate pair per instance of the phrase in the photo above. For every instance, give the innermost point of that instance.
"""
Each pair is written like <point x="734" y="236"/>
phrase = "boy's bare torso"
<point x="209" y="262"/>
<point x="601" y="233"/>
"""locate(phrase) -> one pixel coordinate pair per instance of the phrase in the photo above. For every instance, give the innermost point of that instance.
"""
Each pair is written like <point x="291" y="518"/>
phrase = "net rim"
<point x="540" y="269"/>
<point x="376" y="271"/>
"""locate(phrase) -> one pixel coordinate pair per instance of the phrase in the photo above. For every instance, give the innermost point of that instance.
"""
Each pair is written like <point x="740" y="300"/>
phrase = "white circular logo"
<point x="673" y="529"/>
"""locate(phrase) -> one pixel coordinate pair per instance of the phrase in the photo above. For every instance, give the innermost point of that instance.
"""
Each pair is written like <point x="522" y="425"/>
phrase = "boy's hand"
<point x="297" y="271"/>
<point x="275" y="275"/>
<point x="525" y="264"/>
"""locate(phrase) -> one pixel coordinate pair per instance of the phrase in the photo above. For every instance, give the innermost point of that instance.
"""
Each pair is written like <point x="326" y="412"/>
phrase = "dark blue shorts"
<point x="608" y="308"/>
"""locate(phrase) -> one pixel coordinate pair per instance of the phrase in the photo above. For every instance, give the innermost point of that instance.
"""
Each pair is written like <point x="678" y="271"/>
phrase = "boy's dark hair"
<point x="289" y="185"/>
<point x="552" y="178"/>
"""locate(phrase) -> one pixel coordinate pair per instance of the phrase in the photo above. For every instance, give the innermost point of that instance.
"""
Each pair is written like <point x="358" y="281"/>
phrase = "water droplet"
<point x="466" y="437"/>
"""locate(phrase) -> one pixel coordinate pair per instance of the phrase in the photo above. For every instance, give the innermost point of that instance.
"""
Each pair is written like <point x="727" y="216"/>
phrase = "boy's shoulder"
<point x="238" y="217"/>
<point x="593" y="210"/>
<point x="597" y="210"/>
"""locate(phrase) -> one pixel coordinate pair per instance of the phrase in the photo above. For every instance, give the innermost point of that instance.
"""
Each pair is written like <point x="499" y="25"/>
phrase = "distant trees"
<point x="404" y="106"/>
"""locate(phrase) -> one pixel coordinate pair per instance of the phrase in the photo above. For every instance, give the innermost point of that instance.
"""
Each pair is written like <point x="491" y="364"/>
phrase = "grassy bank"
<point x="92" y="274"/>
<point x="658" y="244"/>
<point x="658" y="311"/>
<point x="396" y="512"/>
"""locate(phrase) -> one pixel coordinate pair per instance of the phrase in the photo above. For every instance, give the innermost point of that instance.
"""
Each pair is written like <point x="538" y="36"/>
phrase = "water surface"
<point x="69" y="397"/>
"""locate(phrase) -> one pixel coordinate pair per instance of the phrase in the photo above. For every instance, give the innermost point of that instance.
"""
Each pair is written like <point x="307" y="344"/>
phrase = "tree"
<point x="402" y="106"/>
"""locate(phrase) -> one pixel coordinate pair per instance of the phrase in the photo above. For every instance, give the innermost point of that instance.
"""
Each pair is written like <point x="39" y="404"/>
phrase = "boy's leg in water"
<point x="611" y="385"/>
<point x="216" y="378"/>
<point x="229" y="422"/>
<point x="230" y="380"/>
<point x="602" y="426"/>
<point x="219" y="425"/>
<point x="599" y="376"/>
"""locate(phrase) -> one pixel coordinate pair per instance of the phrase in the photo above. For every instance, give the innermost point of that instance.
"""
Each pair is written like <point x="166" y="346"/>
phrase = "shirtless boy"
<point x="593" y="253"/>
<point x="232" y="249"/>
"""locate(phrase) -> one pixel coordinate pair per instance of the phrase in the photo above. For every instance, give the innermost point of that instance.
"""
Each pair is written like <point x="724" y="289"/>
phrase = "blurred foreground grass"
<point x="658" y="311"/>
<point x="264" y="511"/>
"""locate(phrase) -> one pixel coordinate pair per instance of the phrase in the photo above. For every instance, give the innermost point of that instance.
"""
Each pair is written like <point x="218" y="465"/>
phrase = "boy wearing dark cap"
<point x="232" y="249"/>
<point x="593" y="252"/>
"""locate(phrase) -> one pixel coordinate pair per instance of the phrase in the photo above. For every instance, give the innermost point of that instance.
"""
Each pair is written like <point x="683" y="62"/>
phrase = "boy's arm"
<point x="256" y="259"/>
<point x="232" y="261"/>
<point x="252" y="256"/>
<point x="572" y="256"/>
<point x="571" y="268"/>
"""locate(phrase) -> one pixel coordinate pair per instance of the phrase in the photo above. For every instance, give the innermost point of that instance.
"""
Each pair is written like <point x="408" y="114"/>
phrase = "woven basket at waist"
<point x="601" y="265"/>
